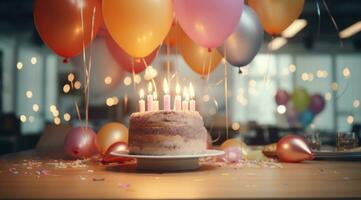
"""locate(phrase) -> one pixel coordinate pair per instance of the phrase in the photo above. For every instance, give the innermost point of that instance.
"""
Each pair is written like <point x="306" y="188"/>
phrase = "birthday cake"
<point x="167" y="133"/>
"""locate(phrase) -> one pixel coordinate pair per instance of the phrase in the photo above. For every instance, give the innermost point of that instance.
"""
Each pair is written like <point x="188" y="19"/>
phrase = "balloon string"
<point x="84" y="66"/>
<point x="266" y="77"/>
<point x="153" y="82"/>
<point x="319" y="18"/>
<point x="133" y="73"/>
<point x="77" y="108"/>
<point x="209" y="64"/>
<point x="89" y="71"/>
<point x="168" y="61"/>
<point x="226" y="89"/>
<point x="333" y="22"/>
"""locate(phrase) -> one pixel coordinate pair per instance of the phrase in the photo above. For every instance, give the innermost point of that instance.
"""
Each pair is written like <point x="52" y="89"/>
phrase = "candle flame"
<point x="155" y="96"/>
<point x="141" y="93"/>
<point x="186" y="93"/>
<point x="150" y="88"/>
<point x="191" y="90"/>
<point x="165" y="86"/>
<point x="177" y="88"/>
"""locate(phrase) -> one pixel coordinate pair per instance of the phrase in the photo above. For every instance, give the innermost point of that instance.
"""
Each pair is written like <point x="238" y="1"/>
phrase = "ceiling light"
<point x="351" y="30"/>
<point x="294" y="28"/>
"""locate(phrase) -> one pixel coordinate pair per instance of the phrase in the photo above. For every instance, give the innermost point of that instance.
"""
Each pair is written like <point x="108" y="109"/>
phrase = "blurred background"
<point x="38" y="90"/>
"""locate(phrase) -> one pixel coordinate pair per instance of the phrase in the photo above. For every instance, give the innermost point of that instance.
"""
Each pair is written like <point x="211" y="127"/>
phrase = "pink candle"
<point x="150" y="97"/>
<point x="185" y="102"/>
<point x="177" y="99"/>
<point x="192" y="102"/>
<point x="141" y="101"/>
<point x="166" y="97"/>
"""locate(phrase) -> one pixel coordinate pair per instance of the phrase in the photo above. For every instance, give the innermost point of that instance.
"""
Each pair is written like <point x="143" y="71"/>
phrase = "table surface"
<point x="21" y="177"/>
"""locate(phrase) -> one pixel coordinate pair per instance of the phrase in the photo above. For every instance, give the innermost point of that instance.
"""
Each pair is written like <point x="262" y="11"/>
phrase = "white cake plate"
<point x="169" y="162"/>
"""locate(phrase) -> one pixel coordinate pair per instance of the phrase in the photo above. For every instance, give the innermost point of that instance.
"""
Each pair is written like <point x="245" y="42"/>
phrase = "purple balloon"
<point x="317" y="103"/>
<point x="292" y="115"/>
<point x="282" y="97"/>
<point x="208" y="22"/>
<point x="80" y="143"/>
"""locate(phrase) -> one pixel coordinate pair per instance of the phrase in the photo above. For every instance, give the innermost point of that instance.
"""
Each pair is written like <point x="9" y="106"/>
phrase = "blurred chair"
<point x="52" y="140"/>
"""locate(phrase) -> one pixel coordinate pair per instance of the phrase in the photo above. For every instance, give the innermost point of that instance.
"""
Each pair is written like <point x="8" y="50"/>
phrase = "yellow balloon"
<point x="138" y="26"/>
<point x="235" y="143"/>
<point x="277" y="15"/>
<point x="199" y="59"/>
<point x="111" y="133"/>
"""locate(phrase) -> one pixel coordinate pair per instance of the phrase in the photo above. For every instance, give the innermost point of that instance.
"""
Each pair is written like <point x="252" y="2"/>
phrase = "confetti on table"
<point x="82" y="178"/>
<point x="90" y="170"/>
<point x="225" y="174"/>
<point x="123" y="185"/>
<point x="269" y="163"/>
<point x="346" y="178"/>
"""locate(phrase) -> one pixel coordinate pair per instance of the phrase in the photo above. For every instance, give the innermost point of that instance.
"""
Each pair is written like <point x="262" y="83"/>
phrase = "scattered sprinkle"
<point x="225" y="174"/>
<point x="98" y="179"/>
<point x="90" y="170"/>
<point x="346" y="178"/>
<point x="82" y="178"/>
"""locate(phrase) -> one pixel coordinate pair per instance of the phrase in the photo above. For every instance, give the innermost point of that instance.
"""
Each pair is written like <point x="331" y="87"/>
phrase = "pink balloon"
<point x="80" y="143"/>
<point x="317" y="103"/>
<point x="282" y="97"/>
<point x="208" y="22"/>
<point x="125" y="60"/>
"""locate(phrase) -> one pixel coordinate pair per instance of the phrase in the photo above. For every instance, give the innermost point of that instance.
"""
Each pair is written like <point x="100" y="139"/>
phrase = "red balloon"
<point x="80" y="143"/>
<point x="293" y="148"/>
<point x="126" y="61"/>
<point x="282" y="97"/>
<point x="60" y="26"/>
<point x="118" y="147"/>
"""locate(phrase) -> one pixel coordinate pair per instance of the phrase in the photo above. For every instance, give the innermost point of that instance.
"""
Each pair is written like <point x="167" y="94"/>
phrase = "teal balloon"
<point x="301" y="99"/>
<point x="306" y="118"/>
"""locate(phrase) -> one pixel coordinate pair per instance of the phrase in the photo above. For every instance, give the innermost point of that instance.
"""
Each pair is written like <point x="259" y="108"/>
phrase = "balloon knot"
<point x="66" y="60"/>
<point x="209" y="50"/>
<point x="240" y="70"/>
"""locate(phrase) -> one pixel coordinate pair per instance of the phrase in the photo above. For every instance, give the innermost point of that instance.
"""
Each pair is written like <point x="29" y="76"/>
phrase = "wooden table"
<point x="313" y="179"/>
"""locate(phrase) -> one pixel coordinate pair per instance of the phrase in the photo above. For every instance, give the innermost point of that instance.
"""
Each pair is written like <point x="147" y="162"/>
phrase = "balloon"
<point x="208" y="22"/>
<point x="306" y="118"/>
<point x="317" y="103"/>
<point x="126" y="61"/>
<point x="60" y="27"/>
<point x="110" y="134"/>
<point x="277" y="15"/>
<point x="198" y="58"/>
<point x="103" y="66"/>
<point x="301" y="99"/>
<point x="139" y="26"/>
<point x="282" y="97"/>
<point x="116" y="147"/>
<point x="232" y="155"/>
<point x="242" y="46"/>
<point x="230" y="143"/>
<point x="80" y="143"/>
<point x="293" y="148"/>
<point x="173" y="35"/>
<point x="292" y="115"/>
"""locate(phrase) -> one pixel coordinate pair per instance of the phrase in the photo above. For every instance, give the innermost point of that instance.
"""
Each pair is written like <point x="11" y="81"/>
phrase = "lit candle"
<point x="177" y="99"/>
<point x="166" y="97"/>
<point x="192" y="102"/>
<point x="141" y="101"/>
<point x="150" y="97"/>
<point x="185" y="102"/>
<point x="155" y="101"/>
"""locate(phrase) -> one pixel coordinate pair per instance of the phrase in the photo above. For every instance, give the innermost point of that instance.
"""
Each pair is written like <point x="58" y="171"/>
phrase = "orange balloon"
<point x="277" y="15"/>
<point x="110" y="134"/>
<point x="138" y="26"/>
<point x="199" y="59"/>
<point x="60" y="26"/>
<point x="173" y="35"/>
